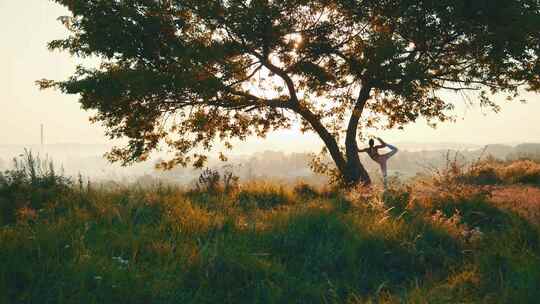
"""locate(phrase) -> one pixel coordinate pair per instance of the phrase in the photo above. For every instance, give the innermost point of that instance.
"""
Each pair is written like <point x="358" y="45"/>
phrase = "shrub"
<point x="494" y="172"/>
<point x="212" y="181"/>
<point x="230" y="181"/>
<point x="488" y="171"/>
<point x="521" y="172"/>
<point x="30" y="185"/>
<point x="208" y="181"/>
<point x="485" y="174"/>
<point x="305" y="191"/>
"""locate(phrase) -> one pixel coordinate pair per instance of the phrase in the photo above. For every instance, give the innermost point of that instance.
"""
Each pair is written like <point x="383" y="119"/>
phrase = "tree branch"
<point x="328" y="139"/>
<point x="251" y="100"/>
<point x="281" y="73"/>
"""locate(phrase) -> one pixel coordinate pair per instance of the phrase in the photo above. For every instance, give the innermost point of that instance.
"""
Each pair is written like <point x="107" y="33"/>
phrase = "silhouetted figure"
<point x="381" y="159"/>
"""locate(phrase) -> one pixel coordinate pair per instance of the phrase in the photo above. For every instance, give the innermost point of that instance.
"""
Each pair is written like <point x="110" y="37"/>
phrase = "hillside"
<point x="451" y="237"/>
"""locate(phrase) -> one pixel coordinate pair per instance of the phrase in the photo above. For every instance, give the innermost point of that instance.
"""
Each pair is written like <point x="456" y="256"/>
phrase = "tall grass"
<point x="434" y="241"/>
<point x="32" y="183"/>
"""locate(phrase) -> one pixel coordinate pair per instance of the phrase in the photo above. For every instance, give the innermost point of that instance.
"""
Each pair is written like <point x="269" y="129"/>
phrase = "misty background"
<point x="78" y="146"/>
<point x="278" y="166"/>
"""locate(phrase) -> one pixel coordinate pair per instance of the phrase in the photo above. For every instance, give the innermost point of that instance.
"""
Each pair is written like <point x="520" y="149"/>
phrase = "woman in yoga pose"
<point x="381" y="159"/>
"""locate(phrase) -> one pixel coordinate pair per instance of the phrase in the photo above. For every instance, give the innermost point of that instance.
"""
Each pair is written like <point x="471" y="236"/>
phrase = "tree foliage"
<point x="193" y="72"/>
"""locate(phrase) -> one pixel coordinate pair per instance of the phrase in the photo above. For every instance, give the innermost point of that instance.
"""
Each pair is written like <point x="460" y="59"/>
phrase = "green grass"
<point x="266" y="243"/>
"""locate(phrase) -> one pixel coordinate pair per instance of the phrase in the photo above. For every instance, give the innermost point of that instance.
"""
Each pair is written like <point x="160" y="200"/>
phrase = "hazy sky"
<point x="27" y="25"/>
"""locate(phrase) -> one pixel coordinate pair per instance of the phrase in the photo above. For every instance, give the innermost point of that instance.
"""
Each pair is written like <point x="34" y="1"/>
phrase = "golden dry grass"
<point x="524" y="200"/>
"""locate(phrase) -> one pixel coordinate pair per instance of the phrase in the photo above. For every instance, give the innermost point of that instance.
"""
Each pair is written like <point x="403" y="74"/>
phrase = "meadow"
<point x="462" y="234"/>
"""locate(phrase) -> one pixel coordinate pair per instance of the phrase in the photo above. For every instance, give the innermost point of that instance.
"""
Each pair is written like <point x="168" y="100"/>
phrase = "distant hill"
<point x="528" y="148"/>
<point x="414" y="146"/>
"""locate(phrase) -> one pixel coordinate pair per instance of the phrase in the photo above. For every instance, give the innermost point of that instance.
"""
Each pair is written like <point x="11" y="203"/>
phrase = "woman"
<point x="381" y="159"/>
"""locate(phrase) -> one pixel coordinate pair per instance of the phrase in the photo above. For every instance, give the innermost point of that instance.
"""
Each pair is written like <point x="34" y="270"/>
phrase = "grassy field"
<point x="445" y="238"/>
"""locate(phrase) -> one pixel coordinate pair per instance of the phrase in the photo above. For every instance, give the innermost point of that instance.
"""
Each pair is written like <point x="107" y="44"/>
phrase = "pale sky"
<point x="27" y="25"/>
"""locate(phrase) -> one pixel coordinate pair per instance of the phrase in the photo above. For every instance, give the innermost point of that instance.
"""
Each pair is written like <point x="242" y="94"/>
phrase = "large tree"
<point x="190" y="73"/>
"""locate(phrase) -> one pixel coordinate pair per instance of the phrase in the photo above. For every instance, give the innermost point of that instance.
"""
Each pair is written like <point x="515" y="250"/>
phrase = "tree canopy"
<point x="190" y="73"/>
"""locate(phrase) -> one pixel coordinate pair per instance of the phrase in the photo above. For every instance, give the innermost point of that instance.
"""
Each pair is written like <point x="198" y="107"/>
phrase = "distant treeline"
<point x="280" y="166"/>
<point x="285" y="167"/>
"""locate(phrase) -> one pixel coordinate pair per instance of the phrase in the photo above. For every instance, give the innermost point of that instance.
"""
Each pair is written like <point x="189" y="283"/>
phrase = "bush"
<point x="208" y="181"/>
<point x="29" y="186"/>
<point x="305" y="191"/>
<point x="212" y="181"/>
<point x="483" y="175"/>
<point x="521" y="172"/>
<point x="495" y="172"/>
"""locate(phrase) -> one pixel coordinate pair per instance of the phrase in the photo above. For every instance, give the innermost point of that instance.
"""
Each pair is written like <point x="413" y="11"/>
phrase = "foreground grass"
<point x="268" y="244"/>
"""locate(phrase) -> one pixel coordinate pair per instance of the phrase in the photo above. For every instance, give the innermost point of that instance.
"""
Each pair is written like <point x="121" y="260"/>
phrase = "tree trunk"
<point x="327" y="138"/>
<point x="350" y="167"/>
<point x="356" y="173"/>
